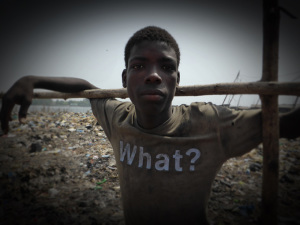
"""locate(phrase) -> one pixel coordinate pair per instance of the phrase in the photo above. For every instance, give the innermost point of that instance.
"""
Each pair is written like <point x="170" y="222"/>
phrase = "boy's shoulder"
<point x="203" y="108"/>
<point x="98" y="103"/>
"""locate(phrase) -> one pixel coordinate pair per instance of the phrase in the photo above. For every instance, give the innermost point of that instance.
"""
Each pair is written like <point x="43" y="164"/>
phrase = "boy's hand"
<point x="20" y="93"/>
<point x="290" y="124"/>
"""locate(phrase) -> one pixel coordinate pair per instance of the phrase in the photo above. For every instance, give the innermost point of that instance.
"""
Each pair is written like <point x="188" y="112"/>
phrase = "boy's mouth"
<point x="152" y="95"/>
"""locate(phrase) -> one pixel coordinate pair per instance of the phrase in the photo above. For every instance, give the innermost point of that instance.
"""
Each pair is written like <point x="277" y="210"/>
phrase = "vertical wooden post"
<point x="270" y="113"/>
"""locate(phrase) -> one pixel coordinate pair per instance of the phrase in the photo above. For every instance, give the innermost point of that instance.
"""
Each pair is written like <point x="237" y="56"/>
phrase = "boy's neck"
<point x="150" y="121"/>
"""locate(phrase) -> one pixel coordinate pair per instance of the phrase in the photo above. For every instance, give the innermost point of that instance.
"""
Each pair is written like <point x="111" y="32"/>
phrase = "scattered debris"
<point x="59" y="168"/>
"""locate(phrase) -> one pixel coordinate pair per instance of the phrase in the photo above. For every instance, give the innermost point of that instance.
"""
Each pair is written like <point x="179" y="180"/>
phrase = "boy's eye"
<point x="168" y="67"/>
<point x="136" y="67"/>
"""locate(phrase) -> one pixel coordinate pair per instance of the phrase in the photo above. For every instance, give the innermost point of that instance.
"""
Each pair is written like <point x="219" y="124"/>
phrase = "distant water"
<point x="46" y="108"/>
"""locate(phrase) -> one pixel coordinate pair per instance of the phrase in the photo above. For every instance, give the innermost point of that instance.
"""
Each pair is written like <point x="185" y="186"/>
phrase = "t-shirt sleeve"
<point x="240" y="130"/>
<point x="103" y="110"/>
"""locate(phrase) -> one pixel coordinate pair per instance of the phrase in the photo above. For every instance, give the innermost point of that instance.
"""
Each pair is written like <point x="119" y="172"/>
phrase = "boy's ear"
<point x="178" y="78"/>
<point x="124" y="78"/>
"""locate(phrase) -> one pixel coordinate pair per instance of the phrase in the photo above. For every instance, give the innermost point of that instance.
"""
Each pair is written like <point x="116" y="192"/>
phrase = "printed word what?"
<point x="162" y="160"/>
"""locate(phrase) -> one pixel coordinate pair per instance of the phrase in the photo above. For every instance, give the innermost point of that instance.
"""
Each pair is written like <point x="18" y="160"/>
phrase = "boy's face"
<point x="151" y="77"/>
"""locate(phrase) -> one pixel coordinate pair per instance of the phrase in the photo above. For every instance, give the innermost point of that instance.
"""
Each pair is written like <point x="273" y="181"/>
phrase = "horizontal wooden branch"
<point x="265" y="88"/>
<point x="260" y="88"/>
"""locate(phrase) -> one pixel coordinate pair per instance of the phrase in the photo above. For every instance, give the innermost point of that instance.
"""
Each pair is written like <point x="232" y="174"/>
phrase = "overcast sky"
<point x="86" y="39"/>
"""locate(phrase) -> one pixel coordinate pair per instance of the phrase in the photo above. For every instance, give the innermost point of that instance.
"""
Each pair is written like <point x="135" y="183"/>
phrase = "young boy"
<point x="167" y="156"/>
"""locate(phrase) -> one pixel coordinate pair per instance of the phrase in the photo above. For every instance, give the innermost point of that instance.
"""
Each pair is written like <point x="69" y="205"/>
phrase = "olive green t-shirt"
<point x="166" y="173"/>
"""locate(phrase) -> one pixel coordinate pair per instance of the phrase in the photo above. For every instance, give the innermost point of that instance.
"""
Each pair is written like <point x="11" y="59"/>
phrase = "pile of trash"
<point x="236" y="196"/>
<point x="59" y="168"/>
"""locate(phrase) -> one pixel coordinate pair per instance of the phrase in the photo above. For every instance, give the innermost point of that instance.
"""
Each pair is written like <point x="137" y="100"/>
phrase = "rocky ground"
<point x="59" y="168"/>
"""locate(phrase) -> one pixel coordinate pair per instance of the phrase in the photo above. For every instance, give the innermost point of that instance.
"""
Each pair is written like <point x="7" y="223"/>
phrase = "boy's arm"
<point x="22" y="92"/>
<point x="290" y="124"/>
<point x="241" y="131"/>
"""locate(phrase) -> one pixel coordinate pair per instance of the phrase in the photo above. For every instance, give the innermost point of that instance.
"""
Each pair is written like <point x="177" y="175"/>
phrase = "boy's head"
<point x="151" y="33"/>
<point x="151" y="75"/>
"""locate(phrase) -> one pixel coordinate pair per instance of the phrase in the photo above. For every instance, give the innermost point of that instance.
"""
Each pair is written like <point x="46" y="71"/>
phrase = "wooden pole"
<point x="262" y="88"/>
<point x="270" y="113"/>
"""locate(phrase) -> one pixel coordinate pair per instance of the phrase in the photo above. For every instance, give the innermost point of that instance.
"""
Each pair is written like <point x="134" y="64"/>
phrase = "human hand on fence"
<point x="290" y="124"/>
<point x="20" y="93"/>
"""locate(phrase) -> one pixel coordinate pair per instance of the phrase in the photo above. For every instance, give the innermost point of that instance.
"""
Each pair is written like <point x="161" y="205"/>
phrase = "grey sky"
<point x="86" y="39"/>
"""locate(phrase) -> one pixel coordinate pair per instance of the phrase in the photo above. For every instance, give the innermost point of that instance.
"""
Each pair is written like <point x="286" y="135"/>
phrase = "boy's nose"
<point x="153" y="78"/>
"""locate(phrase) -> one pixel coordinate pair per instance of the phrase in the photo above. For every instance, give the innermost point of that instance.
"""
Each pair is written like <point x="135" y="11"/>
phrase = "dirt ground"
<point x="59" y="168"/>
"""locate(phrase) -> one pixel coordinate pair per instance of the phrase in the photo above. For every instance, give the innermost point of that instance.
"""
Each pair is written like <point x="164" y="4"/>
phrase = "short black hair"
<point x="151" y="33"/>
